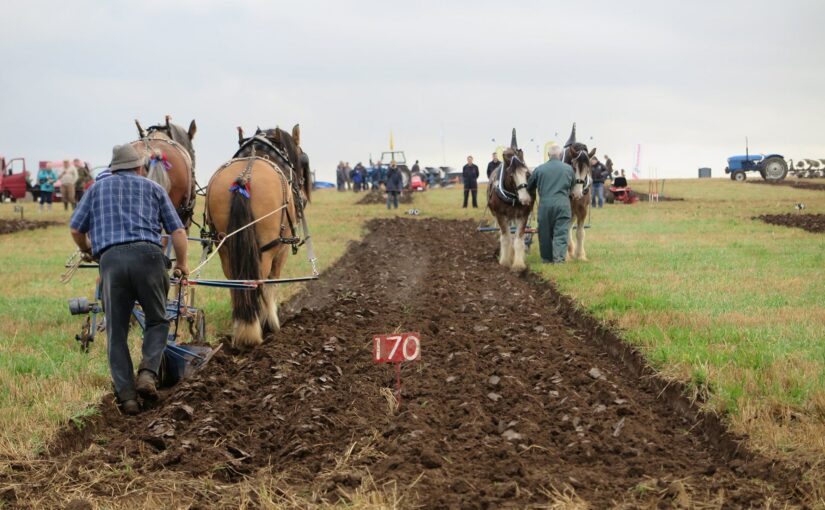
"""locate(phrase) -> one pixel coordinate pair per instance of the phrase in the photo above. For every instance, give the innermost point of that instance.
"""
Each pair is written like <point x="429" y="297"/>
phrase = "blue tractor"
<point x="772" y="167"/>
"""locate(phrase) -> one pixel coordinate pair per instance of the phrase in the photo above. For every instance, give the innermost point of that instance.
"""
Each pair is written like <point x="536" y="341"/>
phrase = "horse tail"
<point x="158" y="170"/>
<point x="244" y="253"/>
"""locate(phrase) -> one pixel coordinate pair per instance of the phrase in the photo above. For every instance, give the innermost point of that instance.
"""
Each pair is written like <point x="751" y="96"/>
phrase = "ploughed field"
<point x="10" y="226"/>
<point x="378" y="196"/>
<point x="810" y="222"/>
<point x="519" y="399"/>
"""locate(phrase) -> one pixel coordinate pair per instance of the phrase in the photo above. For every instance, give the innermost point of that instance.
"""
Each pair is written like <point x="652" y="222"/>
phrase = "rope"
<point x="232" y="234"/>
<point x="72" y="265"/>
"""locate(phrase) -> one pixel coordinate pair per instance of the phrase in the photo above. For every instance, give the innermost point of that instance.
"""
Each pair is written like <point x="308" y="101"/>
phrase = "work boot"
<point x="130" y="407"/>
<point x="146" y="385"/>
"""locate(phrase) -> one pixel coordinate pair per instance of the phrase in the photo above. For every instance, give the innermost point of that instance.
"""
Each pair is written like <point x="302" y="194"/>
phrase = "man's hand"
<point x="182" y="269"/>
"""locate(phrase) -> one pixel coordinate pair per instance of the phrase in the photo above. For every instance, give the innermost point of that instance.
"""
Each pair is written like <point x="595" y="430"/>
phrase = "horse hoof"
<point x="518" y="268"/>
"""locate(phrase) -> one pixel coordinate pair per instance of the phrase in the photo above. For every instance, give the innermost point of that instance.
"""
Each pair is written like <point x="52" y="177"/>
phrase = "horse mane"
<point x="288" y="144"/>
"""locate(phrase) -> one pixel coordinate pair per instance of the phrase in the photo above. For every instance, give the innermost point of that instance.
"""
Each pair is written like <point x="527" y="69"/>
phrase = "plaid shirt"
<point x="124" y="208"/>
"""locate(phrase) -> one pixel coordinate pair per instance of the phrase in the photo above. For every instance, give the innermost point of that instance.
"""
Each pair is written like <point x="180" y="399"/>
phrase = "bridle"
<point x="507" y="196"/>
<point x="587" y="180"/>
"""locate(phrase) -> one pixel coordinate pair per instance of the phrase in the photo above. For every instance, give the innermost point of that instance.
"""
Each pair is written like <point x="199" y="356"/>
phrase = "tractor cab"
<point x="400" y="159"/>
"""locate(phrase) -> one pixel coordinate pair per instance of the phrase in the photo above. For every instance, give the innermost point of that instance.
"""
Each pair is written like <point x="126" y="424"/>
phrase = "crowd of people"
<point x="74" y="178"/>
<point x="361" y="178"/>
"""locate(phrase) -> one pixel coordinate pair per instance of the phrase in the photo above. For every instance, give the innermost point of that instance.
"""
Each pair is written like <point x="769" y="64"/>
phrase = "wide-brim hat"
<point x="125" y="157"/>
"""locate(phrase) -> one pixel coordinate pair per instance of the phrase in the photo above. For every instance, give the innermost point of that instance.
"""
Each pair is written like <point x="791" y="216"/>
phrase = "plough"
<point x="179" y="360"/>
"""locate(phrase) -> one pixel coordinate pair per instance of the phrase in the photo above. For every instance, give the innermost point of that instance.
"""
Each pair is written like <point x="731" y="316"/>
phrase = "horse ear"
<point x="572" y="139"/>
<point x="513" y="141"/>
<point x="296" y="134"/>
<point x="593" y="152"/>
<point x="258" y="130"/>
<point x="141" y="131"/>
<point x="193" y="128"/>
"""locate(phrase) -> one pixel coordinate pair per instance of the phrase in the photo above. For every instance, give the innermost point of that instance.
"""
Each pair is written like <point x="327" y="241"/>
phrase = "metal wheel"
<point x="775" y="169"/>
<point x="739" y="176"/>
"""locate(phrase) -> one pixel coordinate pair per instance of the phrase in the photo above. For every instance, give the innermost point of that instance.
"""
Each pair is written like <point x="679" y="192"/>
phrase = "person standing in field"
<point x="68" y="179"/>
<point x="123" y="216"/>
<point x="46" y="179"/>
<point x="470" y="175"/>
<point x="553" y="180"/>
<point x="84" y="178"/>
<point x="492" y="165"/>
<point x="599" y="174"/>
<point x="394" y="184"/>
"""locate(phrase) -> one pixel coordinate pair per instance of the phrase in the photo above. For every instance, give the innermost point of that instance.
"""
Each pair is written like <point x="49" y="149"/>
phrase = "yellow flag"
<point x="392" y="144"/>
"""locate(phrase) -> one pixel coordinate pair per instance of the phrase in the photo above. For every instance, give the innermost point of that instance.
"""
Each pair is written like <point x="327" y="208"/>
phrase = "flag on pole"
<point x="636" y="175"/>
<point x="392" y="143"/>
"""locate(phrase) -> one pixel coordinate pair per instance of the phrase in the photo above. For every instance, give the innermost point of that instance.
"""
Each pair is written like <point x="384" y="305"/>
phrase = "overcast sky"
<point x="686" y="80"/>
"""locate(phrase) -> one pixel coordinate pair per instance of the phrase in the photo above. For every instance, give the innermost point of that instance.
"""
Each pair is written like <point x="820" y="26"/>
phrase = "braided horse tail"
<point x="243" y="250"/>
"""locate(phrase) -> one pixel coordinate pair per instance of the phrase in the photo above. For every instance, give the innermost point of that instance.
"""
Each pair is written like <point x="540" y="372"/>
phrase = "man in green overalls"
<point x="554" y="181"/>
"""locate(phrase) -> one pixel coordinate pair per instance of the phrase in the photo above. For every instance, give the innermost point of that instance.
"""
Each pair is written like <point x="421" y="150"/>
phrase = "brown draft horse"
<point x="576" y="155"/>
<point x="267" y="180"/>
<point x="170" y="161"/>
<point x="510" y="202"/>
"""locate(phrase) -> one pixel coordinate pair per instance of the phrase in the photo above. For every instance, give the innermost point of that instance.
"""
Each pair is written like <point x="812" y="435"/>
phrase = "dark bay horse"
<point x="267" y="182"/>
<point x="576" y="155"/>
<point x="510" y="202"/>
<point x="170" y="161"/>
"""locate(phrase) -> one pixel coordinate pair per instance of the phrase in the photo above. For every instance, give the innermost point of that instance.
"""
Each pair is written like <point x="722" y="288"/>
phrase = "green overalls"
<point x="553" y="180"/>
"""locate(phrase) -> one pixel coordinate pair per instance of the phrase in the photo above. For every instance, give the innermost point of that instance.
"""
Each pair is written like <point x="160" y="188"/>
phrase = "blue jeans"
<point x="598" y="189"/>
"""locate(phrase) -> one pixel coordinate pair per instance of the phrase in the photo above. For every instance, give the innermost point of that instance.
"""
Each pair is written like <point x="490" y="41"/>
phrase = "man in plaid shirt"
<point x="123" y="216"/>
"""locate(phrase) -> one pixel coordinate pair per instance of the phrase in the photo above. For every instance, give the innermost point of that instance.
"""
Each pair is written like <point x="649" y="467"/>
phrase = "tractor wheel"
<point x="406" y="177"/>
<point x="610" y="197"/>
<point x="774" y="169"/>
<point x="739" y="176"/>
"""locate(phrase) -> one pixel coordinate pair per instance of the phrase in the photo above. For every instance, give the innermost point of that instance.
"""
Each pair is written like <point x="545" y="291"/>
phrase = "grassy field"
<point x="730" y="305"/>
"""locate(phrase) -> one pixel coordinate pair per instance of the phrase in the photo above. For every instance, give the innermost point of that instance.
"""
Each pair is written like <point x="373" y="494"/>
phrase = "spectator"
<point x="415" y="168"/>
<point x="68" y="179"/>
<point x="375" y="175"/>
<point x="599" y="174"/>
<point x="356" y="178"/>
<point x="470" y="175"/>
<point x="46" y="179"/>
<point x="554" y="180"/>
<point x="84" y="177"/>
<point x="348" y="175"/>
<point x="492" y="165"/>
<point x="340" y="180"/>
<point x="394" y="184"/>
<point x="365" y="183"/>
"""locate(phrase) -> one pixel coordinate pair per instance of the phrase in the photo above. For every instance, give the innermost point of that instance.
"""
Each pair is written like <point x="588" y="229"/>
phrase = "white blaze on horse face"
<point x="520" y="177"/>
<point x="578" y="189"/>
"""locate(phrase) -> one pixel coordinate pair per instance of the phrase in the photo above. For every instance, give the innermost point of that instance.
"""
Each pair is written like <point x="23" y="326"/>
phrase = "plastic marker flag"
<point x="636" y="174"/>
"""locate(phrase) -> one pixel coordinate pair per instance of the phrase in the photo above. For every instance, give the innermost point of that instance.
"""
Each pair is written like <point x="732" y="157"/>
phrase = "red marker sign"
<point x="396" y="348"/>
